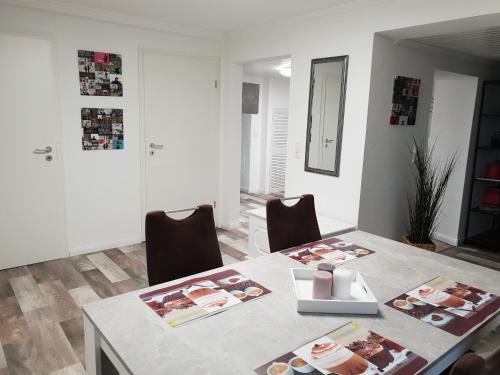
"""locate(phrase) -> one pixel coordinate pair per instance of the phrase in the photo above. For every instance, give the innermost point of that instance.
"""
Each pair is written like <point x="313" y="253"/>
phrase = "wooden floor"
<point x="41" y="328"/>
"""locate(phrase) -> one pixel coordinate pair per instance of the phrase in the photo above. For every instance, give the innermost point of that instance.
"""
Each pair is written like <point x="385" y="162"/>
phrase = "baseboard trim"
<point x="447" y="239"/>
<point x="103" y="246"/>
<point x="230" y="226"/>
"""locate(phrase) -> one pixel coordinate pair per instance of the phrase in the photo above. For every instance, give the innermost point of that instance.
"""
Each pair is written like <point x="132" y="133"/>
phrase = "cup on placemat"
<point x="279" y="368"/>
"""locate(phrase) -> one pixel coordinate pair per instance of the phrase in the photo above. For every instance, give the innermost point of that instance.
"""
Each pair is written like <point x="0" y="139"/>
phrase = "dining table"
<point x="238" y="340"/>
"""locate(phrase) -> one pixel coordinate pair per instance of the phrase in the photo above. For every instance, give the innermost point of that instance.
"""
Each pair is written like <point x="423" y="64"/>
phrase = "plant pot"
<point x="425" y="246"/>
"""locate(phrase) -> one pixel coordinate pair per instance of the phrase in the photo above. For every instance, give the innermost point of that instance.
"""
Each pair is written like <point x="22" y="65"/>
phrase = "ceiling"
<point x="267" y="67"/>
<point x="483" y="43"/>
<point x="214" y="15"/>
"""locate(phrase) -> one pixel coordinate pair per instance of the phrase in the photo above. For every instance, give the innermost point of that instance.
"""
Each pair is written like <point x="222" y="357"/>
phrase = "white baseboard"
<point x="103" y="246"/>
<point x="446" y="239"/>
<point x="256" y="191"/>
<point x="229" y="226"/>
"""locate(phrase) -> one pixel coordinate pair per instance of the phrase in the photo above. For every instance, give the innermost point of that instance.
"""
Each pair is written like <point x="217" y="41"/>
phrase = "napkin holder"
<point x="362" y="299"/>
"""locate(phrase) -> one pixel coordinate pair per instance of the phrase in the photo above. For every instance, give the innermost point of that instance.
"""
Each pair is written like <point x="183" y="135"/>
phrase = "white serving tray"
<point x="362" y="299"/>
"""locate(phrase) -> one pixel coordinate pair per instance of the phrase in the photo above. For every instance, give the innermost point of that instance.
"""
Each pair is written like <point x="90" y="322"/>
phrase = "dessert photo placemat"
<point x="330" y="250"/>
<point x="449" y="305"/>
<point x="350" y="349"/>
<point x="201" y="297"/>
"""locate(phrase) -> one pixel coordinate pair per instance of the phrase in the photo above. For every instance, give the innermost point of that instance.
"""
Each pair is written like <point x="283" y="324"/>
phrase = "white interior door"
<point x="279" y="133"/>
<point x="180" y="119"/>
<point x="32" y="226"/>
<point x="450" y="129"/>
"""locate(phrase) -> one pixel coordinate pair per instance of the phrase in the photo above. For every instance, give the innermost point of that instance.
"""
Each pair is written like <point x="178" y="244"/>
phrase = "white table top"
<point x="246" y="336"/>
<point x="327" y="225"/>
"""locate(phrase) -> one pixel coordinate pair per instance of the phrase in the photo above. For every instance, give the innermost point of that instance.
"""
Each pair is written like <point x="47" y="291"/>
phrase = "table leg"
<point x="92" y="348"/>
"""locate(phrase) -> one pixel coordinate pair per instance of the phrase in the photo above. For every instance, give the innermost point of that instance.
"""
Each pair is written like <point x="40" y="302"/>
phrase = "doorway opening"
<point x="456" y="113"/>
<point x="264" y="125"/>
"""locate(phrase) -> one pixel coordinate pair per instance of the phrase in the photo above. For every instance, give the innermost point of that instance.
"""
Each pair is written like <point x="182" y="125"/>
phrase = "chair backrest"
<point x="178" y="248"/>
<point x="469" y="364"/>
<point x="289" y="226"/>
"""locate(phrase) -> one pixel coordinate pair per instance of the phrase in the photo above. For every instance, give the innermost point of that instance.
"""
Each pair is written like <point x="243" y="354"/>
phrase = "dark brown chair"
<point x="289" y="226"/>
<point x="469" y="364"/>
<point x="485" y="362"/>
<point x="178" y="248"/>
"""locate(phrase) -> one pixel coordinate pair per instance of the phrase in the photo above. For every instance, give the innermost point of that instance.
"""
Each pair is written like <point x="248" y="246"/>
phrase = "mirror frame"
<point x="345" y="61"/>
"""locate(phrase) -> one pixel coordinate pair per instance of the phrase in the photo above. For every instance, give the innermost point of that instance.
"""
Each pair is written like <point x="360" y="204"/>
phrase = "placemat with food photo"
<point x="449" y="305"/>
<point x="350" y="349"/>
<point x="203" y="296"/>
<point x="330" y="250"/>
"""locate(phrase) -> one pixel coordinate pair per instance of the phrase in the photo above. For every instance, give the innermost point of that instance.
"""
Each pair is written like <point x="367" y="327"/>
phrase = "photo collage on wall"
<point x="100" y="73"/>
<point x="404" y="101"/>
<point x="102" y="129"/>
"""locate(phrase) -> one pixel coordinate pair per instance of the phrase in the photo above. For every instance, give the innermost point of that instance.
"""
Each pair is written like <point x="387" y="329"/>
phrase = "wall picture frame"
<point x="100" y="73"/>
<point x="405" y="95"/>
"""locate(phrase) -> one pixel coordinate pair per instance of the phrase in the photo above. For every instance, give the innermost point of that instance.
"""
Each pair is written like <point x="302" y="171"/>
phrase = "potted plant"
<point x="424" y="203"/>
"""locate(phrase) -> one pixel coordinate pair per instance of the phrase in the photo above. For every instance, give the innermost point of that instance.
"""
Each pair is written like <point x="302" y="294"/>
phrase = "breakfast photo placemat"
<point x="201" y="297"/>
<point x="330" y="250"/>
<point x="449" y="305"/>
<point x="350" y="349"/>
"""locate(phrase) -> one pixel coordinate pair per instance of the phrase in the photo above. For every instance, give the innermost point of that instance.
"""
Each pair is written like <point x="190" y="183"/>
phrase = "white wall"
<point x="246" y="139"/>
<point x="387" y="170"/>
<point x="96" y="223"/>
<point x="345" y="30"/>
<point x="450" y="130"/>
<point x="102" y="187"/>
<point x="258" y="126"/>
<point x="274" y="93"/>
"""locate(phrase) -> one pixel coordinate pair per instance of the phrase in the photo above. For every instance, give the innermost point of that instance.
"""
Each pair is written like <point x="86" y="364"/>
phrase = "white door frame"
<point x="142" y="125"/>
<point x="59" y="146"/>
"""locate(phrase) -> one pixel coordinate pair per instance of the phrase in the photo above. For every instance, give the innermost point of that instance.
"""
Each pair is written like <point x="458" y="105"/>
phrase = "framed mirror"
<point x="326" y="115"/>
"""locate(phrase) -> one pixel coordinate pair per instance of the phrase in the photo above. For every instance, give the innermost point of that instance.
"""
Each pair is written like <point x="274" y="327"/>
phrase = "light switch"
<point x="297" y="150"/>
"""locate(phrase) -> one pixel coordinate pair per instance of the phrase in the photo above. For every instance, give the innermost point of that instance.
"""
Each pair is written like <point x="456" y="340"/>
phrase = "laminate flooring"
<point x="41" y="324"/>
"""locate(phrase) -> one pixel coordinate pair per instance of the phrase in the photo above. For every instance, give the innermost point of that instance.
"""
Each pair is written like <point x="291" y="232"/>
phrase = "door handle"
<point x="329" y="140"/>
<point x="45" y="150"/>
<point x="154" y="146"/>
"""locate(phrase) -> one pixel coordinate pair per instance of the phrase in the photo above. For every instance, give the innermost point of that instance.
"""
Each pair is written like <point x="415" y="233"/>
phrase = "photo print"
<point x="404" y="101"/>
<point x="202" y="297"/>
<point x="350" y="349"/>
<point x="449" y="305"/>
<point x="100" y="73"/>
<point x="330" y="250"/>
<point x="102" y="129"/>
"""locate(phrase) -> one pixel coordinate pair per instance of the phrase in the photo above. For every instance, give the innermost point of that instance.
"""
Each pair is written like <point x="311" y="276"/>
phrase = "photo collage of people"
<point x="102" y="129"/>
<point x="202" y="297"/>
<point x="100" y="73"/>
<point x="330" y="250"/>
<point x="404" y="101"/>
<point x="449" y="305"/>
<point x="348" y="350"/>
